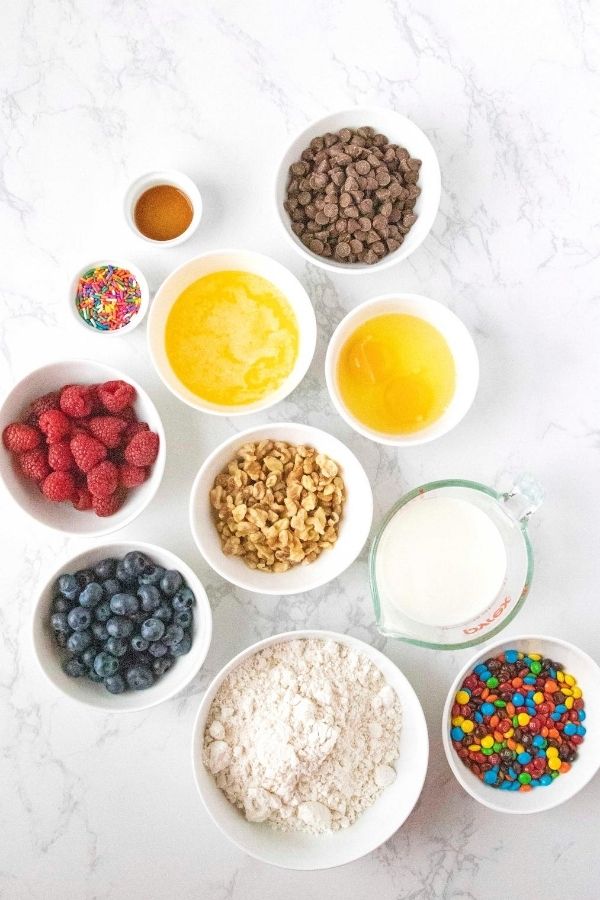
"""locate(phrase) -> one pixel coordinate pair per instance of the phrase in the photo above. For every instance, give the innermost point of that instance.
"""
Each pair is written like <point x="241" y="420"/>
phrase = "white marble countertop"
<point x="92" y="94"/>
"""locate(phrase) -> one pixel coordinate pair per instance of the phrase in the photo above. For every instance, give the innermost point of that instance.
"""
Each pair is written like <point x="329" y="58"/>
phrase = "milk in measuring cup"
<point x="441" y="561"/>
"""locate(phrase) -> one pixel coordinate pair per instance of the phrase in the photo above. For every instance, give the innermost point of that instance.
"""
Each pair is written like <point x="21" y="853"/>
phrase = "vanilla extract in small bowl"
<point x="163" y="207"/>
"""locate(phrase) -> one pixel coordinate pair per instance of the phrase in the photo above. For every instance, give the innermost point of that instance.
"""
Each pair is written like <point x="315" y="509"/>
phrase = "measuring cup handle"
<point x="524" y="497"/>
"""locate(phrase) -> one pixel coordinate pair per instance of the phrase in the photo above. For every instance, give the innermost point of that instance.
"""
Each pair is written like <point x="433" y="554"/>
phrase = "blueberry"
<point x="183" y="599"/>
<point x="116" y="646"/>
<point x="61" y="638"/>
<point x="69" y="586"/>
<point x="75" y="668"/>
<point x="111" y="586"/>
<point x="105" y="664"/>
<point x="103" y="612"/>
<point x="115" y="684"/>
<point x="152" y="629"/>
<point x="171" y="582"/>
<point x="157" y="648"/>
<point x="59" y="622"/>
<point x="162" y="665"/>
<point x="124" y="604"/>
<point x="88" y="656"/>
<point x="139" y="678"/>
<point x="125" y="576"/>
<point x="119" y="627"/>
<point x="106" y="568"/>
<point x="182" y="647"/>
<point x="151" y="575"/>
<point x="135" y="562"/>
<point x="138" y="643"/>
<point x="60" y="605"/>
<point x="78" y="641"/>
<point x="85" y="577"/>
<point x="173" y="635"/>
<point x="93" y="676"/>
<point x="100" y="631"/>
<point x="150" y="597"/>
<point x="79" y="618"/>
<point x="91" y="595"/>
<point x="164" y="613"/>
<point x="184" y="618"/>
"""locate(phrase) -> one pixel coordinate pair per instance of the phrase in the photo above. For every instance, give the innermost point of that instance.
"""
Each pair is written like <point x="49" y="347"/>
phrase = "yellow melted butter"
<point x="396" y="373"/>
<point x="232" y="338"/>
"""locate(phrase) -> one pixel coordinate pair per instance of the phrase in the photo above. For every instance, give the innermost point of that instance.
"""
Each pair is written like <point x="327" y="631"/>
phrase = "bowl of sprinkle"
<point x="107" y="297"/>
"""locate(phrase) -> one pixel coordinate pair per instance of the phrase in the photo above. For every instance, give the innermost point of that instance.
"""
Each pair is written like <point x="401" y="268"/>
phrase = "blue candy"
<point x="581" y="729"/>
<point x="539" y="741"/>
<point x="555" y="716"/>
<point x="478" y="717"/>
<point x="488" y="709"/>
<point x="529" y="679"/>
<point x="511" y="656"/>
<point x="561" y="708"/>
<point x="581" y="715"/>
<point x="457" y="734"/>
<point x="479" y="669"/>
<point x="570" y="728"/>
<point x="490" y="777"/>
<point x="545" y="780"/>
<point x="535" y="782"/>
<point x="518" y="699"/>
<point x="524" y="758"/>
<point x="541" y="753"/>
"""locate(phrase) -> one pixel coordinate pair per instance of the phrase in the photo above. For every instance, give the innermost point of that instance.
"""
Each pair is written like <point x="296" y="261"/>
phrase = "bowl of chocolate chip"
<point x="358" y="189"/>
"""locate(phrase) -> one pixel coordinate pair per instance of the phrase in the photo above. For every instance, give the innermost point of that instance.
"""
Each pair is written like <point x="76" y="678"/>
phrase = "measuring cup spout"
<point x="524" y="498"/>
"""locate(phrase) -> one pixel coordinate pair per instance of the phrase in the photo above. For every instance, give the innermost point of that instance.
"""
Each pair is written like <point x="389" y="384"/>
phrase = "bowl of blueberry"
<point x="122" y="627"/>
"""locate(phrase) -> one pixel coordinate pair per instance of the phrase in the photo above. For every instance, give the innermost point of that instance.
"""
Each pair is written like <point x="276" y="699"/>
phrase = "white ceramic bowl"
<point x="399" y="130"/>
<point x="62" y="516"/>
<point x="458" y="339"/>
<point x="354" y="527"/>
<point x="296" y="850"/>
<point x="144" y="290"/>
<point x="95" y="695"/>
<point x="223" y="260"/>
<point x="587" y="673"/>
<point x="152" y="179"/>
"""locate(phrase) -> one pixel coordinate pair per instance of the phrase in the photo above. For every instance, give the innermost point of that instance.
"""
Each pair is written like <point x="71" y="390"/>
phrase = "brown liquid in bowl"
<point x="163" y="212"/>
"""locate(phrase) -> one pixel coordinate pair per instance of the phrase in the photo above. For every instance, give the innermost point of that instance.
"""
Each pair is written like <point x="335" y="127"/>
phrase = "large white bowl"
<point x="587" y="673"/>
<point x="296" y="850"/>
<point x="63" y="516"/>
<point x="354" y="526"/>
<point x="235" y="260"/>
<point x="458" y="339"/>
<point x="95" y="695"/>
<point x="399" y="130"/>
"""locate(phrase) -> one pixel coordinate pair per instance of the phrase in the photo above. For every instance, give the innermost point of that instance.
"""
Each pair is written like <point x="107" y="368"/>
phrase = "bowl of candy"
<point x="521" y="724"/>
<point x="109" y="297"/>
<point x="121" y="626"/>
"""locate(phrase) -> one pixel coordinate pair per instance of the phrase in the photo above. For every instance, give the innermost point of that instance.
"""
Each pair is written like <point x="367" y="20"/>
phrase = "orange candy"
<point x="525" y="787"/>
<point x="550" y="687"/>
<point x="564" y="768"/>
<point x="553" y="733"/>
<point x="494" y="721"/>
<point x="517" y="682"/>
<point x="510" y="709"/>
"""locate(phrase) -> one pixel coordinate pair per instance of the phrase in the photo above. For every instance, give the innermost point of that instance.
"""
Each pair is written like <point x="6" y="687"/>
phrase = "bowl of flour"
<point x="309" y="749"/>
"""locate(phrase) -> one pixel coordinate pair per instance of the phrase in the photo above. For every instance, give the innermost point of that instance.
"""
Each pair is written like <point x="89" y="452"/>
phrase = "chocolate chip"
<point x="343" y="249"/>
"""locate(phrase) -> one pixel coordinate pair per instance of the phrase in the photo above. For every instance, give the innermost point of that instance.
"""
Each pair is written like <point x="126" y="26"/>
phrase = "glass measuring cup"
<point x="509" y="511"/>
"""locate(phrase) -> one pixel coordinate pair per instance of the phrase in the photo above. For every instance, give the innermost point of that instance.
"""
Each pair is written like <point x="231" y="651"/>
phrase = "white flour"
<point x="304" y="735"/>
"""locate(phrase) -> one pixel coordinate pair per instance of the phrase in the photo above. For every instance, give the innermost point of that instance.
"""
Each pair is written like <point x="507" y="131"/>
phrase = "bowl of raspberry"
<point x="83" y="447"/>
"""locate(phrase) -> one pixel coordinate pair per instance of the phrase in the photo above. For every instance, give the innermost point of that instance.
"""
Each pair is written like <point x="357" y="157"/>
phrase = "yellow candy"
<point x="552" y="751"/>
<point x="474" y="748"/>
<point x="519" y="748"/>
<point x="468" y="726"/>
<point x="560" y="676"/>
<point x="569" y="702"/>
<point x="458" y="720"/>
<point x="462" y="697"/>
<point x="487" y="741"/>
<point x="534" y="656"/>
<point x="567" y="691"/>
<point x="570" y="680"/>
<point x="554" y="763"/>
<point x="523" y="719"/>
<point x="509" y="733"/>
<point x="577" y="692"/>
<point x="538" y="697"/>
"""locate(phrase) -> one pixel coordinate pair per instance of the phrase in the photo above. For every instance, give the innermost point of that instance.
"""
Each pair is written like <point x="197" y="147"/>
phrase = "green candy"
<point x="487" y="751"/>
<point x="492" y="682"/>
<point x="536" y="667"/>
<point x="500" y="703"/>
<point x="496" y="747"/>
<point x="515" y="721"/>
<point x="524" y="777"/>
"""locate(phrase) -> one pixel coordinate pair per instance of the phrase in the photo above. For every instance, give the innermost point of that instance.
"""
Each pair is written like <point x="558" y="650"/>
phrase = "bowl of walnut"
<point x="281" y="509"/>
<point x="358" y="190"/>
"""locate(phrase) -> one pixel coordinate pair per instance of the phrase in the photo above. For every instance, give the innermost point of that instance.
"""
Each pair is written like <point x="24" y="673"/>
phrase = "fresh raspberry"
<point x="82" y="499"/>
<point x="107" y="429"/>
<point x="132" y="476"/>
<point x="55" y="425"/>
<point x="103" y="479"/>
<point x="76" y="400"/>
<point x="107" y="506"/>
<point x="19" y="437"/>
<point x="34" y="464"/>
<point x="132" y="429"/>
<point x="87" y="451"/>
<point x="128" y="414"/>
<point x="115" y="396"/>
<point x="58" y="486"/>
<point x="41" y="405"/>
<point x="60" y="457"/>
<point x="142" y="449"/>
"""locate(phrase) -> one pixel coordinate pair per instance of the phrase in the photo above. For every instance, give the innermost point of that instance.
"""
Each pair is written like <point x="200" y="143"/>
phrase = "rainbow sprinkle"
<point x="108" y="297"/>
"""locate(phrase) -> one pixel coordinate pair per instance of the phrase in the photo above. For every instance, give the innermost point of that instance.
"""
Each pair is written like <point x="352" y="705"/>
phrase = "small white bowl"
<point x="26" y="494"/>
<point x="152" y="179"/>
<point x="399" y="130"/>
<point x="95" y="695"/>
<point x="144" y="301"/>
<point x="234" y="260"/>
<point x="296" y="850"/>
<point x="459" y="341"/>
<point x="354" y="526"/>
<point x="587" y="673"/>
